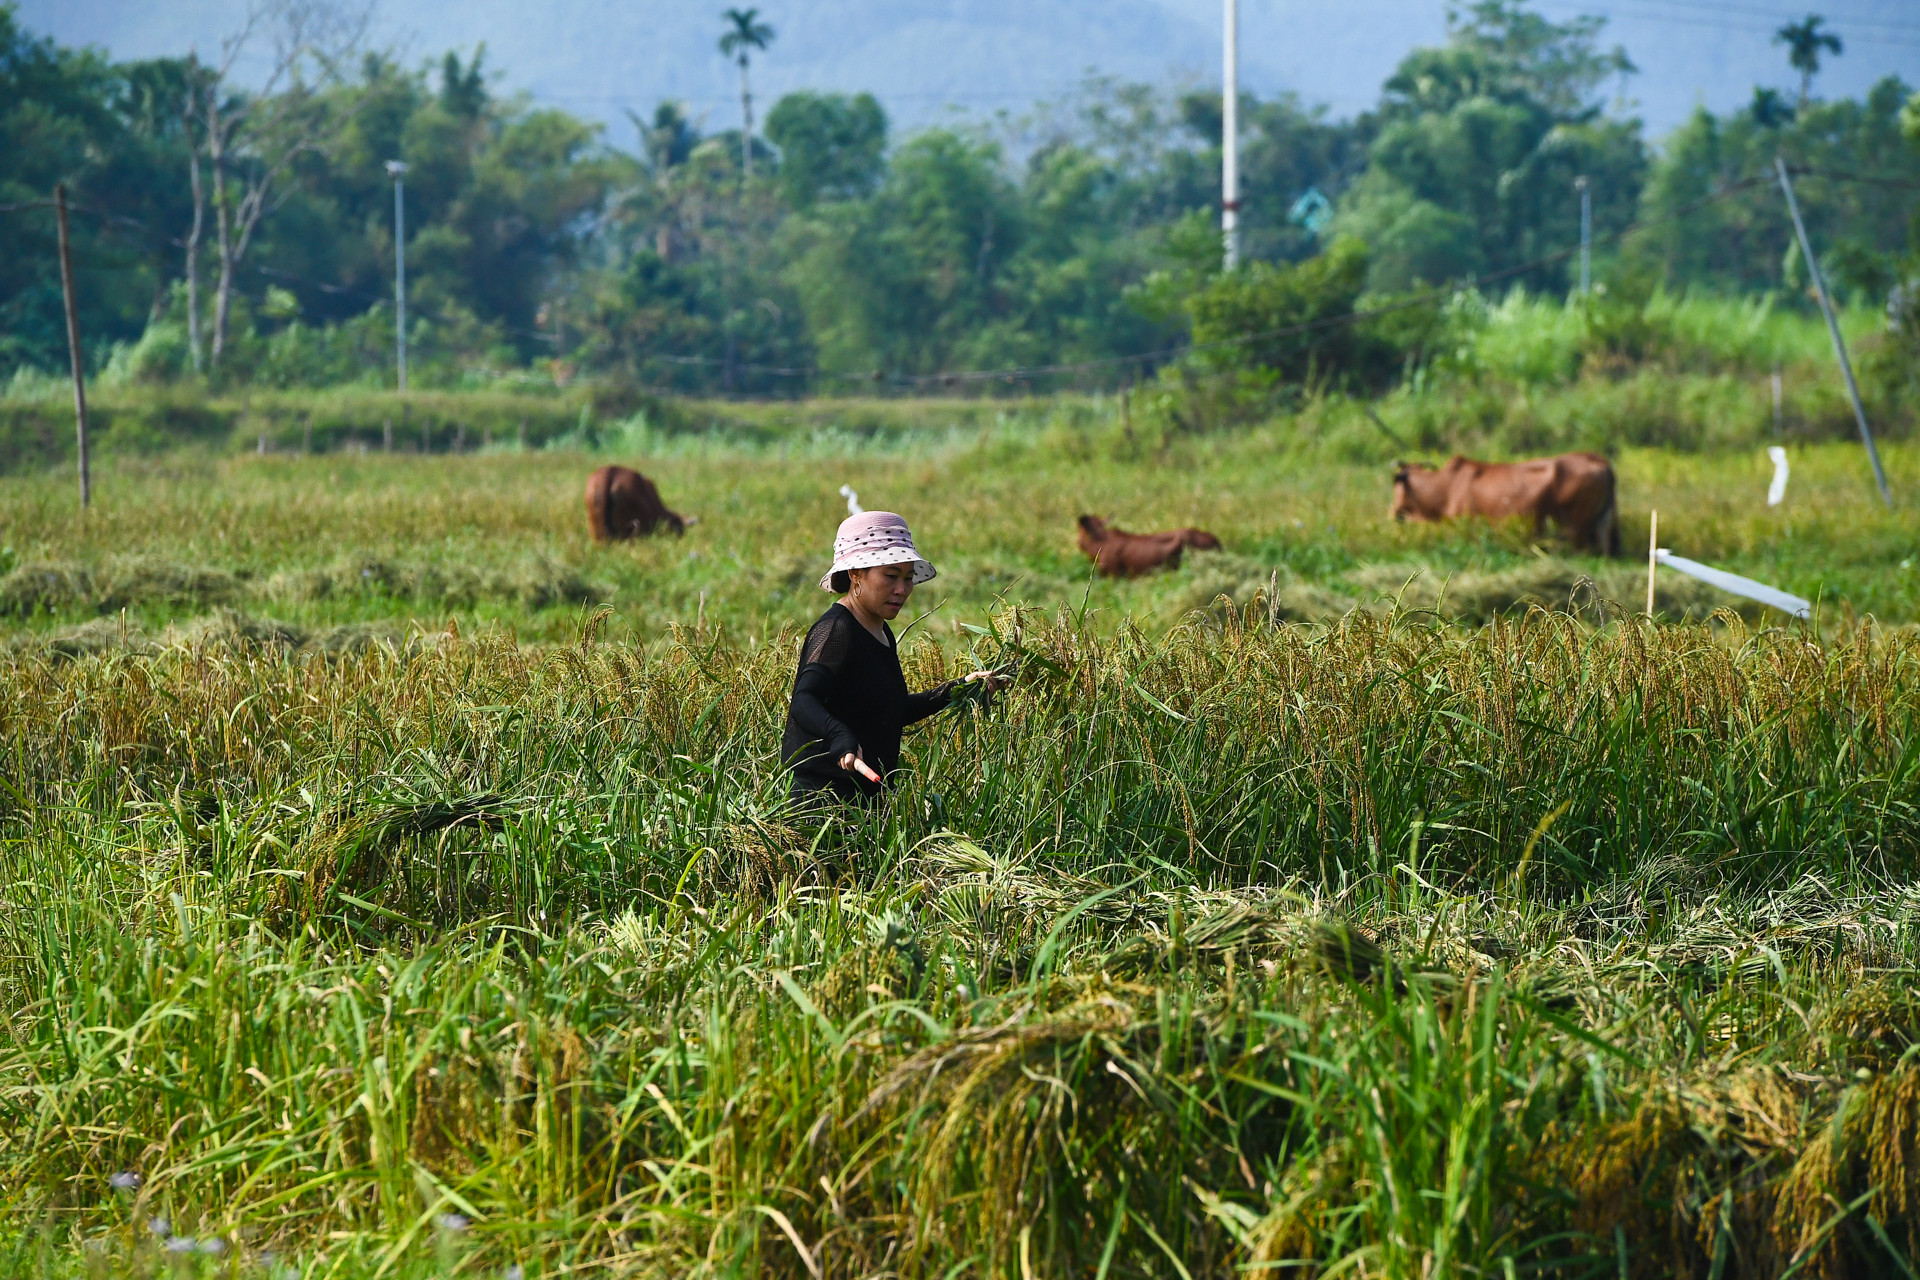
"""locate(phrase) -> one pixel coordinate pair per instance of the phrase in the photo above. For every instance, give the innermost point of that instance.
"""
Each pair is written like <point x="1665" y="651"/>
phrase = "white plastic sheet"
<point x="853" y="500"/>
<point x="1737" y="585"/>
<point x="1777" y="491"/>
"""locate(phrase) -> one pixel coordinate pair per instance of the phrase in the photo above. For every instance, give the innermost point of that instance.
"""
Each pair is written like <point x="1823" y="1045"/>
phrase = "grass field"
<point x="369" y="539"/>
<point x="378" y="905"/>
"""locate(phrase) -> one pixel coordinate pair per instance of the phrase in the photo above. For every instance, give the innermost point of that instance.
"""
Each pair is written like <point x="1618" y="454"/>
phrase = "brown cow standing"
<point x="622" y="503"/>
<point x="1118" y="554"/>
<point x="1574" y="490"/>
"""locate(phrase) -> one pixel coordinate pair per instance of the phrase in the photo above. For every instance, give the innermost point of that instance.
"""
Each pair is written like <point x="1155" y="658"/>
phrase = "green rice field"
<point x="394" y="884"/>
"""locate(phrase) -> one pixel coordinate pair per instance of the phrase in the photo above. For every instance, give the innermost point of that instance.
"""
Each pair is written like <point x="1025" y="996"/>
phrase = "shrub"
<point x="1294" y="322"/>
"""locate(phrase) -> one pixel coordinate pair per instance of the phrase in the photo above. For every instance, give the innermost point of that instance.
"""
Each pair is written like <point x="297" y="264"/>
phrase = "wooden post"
<point x="1833" y="331"/>
<point x="73" y="344"/>
<point x="1653" y="556"/>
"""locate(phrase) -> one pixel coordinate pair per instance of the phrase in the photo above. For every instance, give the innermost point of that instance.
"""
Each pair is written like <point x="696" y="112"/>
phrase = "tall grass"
<point x="1379" y="949"/>
<point x="1528" y="340"/>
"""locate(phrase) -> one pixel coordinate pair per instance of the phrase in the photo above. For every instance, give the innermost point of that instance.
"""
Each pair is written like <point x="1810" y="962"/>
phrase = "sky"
<point x="929" y="60"/>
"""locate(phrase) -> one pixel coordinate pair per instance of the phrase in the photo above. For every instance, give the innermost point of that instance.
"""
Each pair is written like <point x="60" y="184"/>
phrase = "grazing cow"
<point x="1118" y="554"/>
<point x="622" y="503"/>
<point x="1574" y="490"/>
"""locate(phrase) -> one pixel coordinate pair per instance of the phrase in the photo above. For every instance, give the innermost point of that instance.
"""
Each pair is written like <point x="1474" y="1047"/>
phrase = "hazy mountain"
<point x="926" y="57"/>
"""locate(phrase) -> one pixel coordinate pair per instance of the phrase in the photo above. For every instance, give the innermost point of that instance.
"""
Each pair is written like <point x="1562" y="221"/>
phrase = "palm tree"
<point x="745" y="32"/>
<point x="1805" y="41"/>
<point x="1768" y="109"/>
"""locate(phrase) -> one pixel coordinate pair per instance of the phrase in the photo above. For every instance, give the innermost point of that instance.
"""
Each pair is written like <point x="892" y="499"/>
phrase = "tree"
<point x="1286" y="150"/>
<point x="909" y="280"/>
<point x="1497" y="49"/>
<point x="1735" y="245"/>
<point x="1769" y="110"/>
<point x="253" y="140"/>
<point x="134" y="175"/>
<point x="832" y="146"/>
<point x="463" y="94"/>
<point x="669" y="139"/>
<point x="667" y="142"/>
<point x="1480" y="142"/>
<point x="1288" y="319"/>
<point x="693" y="296"/>
<point x="745" y="32"/>
<point x="111" y="134"/>
<point x="1805" y="41"/>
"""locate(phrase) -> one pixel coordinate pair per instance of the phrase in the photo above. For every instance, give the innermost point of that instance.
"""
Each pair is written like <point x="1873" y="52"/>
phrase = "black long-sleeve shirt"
<point x="850" y="694"/>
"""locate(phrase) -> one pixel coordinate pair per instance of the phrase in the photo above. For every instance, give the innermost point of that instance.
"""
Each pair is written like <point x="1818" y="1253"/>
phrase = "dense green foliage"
<point x="1479" y="145"/>
<point x="1080" y="235"/>
<point x="109" y="132"/>
<point x="1747" y="244"/>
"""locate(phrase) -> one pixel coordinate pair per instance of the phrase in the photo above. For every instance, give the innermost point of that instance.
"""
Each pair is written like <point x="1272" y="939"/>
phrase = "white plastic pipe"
<point x="1737" y="585"/>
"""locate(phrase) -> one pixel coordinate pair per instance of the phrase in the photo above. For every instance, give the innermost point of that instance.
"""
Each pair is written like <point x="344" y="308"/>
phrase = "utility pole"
<point x="1230" y="140"/>
<point x="73" y="343"/>
<point x="1585" y="189"/>
<point x="398" y="169"/>
<point x="1833" y="331"/>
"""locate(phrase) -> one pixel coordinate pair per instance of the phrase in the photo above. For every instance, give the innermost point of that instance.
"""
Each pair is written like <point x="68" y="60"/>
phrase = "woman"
<point x="850" y="699"/>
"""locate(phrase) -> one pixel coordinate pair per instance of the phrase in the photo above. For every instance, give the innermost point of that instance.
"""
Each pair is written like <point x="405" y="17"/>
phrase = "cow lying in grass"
<point x="1119" y="554"/>
<point x="622" y="503"/>
<point x="1574" y="490"/>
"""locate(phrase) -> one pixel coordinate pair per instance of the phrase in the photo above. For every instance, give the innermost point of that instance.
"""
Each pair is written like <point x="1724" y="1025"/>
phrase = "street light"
<point x="1230" y="139"/>
<point x="1581" y="185"/>
<point x="398" y="168"/>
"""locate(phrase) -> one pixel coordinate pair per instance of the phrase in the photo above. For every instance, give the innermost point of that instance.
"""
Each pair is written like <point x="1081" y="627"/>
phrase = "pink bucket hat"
<point x="871" y="539"/>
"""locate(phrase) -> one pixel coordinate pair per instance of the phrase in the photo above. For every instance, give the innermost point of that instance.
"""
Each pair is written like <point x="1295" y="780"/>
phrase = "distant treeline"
<point x="245" y="235"/>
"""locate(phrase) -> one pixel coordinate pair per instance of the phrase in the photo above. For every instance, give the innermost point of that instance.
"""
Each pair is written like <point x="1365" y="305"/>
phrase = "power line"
<point x="1841" y="24"/>
<point x="1701" y="20"/>
<point x="927" y="95"/>
<point x="1836" y="176"/>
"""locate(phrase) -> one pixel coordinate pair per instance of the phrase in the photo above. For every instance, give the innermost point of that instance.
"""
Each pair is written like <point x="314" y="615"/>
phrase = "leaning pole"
<point x="1833" y="331"/>
<point x="73" y="343"/>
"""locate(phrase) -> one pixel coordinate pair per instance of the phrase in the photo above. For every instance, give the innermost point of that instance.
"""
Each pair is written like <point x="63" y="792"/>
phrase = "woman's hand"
<point x="996" y="680"/>
<point x="855" y="762"/>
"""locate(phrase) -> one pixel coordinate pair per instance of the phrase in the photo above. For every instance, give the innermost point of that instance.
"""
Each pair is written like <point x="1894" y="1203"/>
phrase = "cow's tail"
<point x="1609" y="531"/>
<point x="597" y="507"/>
<point x="600" y="505"/>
